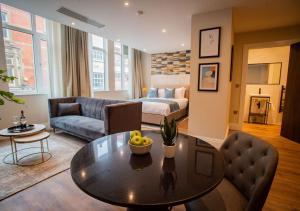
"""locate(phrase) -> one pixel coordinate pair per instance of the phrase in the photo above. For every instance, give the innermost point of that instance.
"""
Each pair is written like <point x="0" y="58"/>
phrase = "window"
<point x="26" y="50"/>
<point x="121" y="66"/>
<point x="98" y="61"/>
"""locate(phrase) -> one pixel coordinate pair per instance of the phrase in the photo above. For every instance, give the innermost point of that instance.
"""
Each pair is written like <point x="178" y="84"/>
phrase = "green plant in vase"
<point x="5" y="95"/>
<point x="169" y="133"/>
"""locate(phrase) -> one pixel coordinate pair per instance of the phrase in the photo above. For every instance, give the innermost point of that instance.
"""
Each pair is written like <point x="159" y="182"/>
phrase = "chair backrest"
<point x="250" y="164"/>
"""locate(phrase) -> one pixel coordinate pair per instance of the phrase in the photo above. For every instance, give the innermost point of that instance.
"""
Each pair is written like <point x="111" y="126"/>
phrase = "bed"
<point x="156" y="108"/>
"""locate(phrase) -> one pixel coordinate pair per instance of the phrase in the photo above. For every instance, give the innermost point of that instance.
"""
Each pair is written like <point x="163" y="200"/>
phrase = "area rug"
<point x="15" y="178"/>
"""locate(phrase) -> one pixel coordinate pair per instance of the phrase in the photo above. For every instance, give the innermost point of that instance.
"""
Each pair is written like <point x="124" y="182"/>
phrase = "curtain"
<point x="75" y="63"/>
<point x="137" y="74"/>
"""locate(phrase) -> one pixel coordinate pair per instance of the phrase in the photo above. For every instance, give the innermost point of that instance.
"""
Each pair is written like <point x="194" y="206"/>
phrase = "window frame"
<point x="104" y="51"/>
<point x="36" y="49"/>
<point x="122" y="67"/>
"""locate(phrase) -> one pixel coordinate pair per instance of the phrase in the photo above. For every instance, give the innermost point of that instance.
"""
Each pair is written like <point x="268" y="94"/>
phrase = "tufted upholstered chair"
<point x="250" y="166"/>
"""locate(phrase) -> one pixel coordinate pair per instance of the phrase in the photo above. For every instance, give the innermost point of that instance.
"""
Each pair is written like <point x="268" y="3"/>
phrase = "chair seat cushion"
<point x="84" y="126"/>
<point x="224" y="198"/>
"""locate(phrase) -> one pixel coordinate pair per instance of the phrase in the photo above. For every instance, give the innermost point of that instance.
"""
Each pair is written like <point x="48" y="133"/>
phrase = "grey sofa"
<point x="250" y="166"/>
<point x="98" y="117"/>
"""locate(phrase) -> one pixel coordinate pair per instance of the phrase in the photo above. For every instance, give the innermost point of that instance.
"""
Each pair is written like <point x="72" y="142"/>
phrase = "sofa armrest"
<point x="123" y="117"/>
<point x="53" y="104"/>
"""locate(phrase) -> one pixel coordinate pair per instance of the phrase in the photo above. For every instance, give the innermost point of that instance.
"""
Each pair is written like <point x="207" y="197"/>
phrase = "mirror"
<point x="264" y="73"/>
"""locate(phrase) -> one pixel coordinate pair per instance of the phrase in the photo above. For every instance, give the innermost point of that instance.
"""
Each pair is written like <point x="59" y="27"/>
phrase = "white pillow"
<point x="179" y="93"/>
<point x="161" y="93"/>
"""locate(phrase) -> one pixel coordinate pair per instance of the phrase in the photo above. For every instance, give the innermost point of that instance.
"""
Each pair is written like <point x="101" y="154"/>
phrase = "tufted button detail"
<point x="252" y="162"/>
<point x="250" y="145"/>
<point x="229" y="162"/>
<point x="239" y="153"/>
<point x="241" y="171"/>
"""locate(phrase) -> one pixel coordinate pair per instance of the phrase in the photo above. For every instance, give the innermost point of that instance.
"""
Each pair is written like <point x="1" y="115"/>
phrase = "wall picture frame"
<point x="209" y="42"/>
<point x="208" y="77"/>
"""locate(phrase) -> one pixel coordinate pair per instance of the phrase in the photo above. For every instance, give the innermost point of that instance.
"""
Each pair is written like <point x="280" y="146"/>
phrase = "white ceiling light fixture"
<point x="182" y="44"/>
<point x="118" y="40"/>
<point x="163" y="30"/>
<point x="144" y="49"/>
<point x="126" y="3"/>
<point x="73" y="24"/>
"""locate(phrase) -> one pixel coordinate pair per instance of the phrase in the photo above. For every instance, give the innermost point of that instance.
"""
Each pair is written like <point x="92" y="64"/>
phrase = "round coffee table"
<point x="106" y="170"/>
<point x="35" y="135"/>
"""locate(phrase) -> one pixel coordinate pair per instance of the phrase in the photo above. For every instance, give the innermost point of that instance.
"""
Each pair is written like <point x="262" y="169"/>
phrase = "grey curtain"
<point x="75" y="63"/>
<point x="137" y="74"/>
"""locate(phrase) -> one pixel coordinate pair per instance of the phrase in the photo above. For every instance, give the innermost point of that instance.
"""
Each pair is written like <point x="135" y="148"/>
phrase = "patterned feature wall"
<point x="171" y="63"/>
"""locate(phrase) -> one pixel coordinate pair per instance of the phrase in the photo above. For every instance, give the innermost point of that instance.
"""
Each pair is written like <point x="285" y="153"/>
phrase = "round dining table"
<point x="106" y="170"/>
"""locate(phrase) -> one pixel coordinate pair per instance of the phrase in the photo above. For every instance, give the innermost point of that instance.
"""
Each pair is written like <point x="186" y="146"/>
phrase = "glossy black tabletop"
<point x="105" y="169"/>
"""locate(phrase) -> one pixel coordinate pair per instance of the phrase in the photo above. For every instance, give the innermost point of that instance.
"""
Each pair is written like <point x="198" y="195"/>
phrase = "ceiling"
<point x="144" y="32"/>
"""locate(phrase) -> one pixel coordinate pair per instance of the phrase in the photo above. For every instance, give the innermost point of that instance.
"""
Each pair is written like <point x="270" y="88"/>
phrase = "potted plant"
<point x="169" y="132"/>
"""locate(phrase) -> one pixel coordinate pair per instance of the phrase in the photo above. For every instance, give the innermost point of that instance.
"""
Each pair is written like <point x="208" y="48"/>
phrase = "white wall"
<point x="209" y="111"/>
<point x="268" y="55"/>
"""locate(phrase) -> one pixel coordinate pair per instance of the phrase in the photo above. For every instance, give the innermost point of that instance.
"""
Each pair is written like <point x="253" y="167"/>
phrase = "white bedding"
<point x="162" y="108"/>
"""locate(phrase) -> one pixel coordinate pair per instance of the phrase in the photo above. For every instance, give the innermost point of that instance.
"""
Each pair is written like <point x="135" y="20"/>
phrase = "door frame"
<point x="246" y="49"/>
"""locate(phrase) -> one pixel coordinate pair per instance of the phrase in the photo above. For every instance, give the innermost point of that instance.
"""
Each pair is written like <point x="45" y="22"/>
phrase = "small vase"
<point x="169" y="151"/>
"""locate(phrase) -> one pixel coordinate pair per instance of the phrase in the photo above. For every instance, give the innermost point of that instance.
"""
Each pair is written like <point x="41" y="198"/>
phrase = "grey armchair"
<point x="250" y="166"/>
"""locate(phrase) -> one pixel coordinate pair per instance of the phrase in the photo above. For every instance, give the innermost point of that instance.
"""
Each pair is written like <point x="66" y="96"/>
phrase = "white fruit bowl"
<point x="140" y="149"/>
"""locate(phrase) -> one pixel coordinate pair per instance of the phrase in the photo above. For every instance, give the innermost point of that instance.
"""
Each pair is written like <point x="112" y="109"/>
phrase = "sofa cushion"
<point x="94" y="108"/>
<point x="65" y="109"/>
<point x="225" y="197"/>
<point x="81" y="125"/>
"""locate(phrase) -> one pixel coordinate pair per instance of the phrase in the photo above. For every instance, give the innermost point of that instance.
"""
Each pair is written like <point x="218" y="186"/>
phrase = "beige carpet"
<point x="16" y="178"/>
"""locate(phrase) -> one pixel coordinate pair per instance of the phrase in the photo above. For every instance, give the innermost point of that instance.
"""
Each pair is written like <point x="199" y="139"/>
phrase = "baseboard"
<point x="235" y="126"/>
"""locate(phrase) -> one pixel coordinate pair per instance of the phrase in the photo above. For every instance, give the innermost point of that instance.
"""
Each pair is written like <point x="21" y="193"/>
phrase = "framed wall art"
<point x="209" y="42"/>
<point x="208" y="77"/>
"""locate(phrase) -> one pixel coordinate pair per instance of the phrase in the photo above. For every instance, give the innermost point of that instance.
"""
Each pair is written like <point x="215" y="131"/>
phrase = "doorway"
<point x="266" y="80"/>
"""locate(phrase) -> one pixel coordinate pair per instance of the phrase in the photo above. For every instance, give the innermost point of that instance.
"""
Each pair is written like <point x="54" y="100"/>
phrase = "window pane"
<point x="44" y="66"/>
<point x="97" y="41"/>
<point x="126" y="73"/>
<point x="98" y="62"/>
<point x="15" y="17"/>
<point x="20" y="60"/>
<point x="118" y="73"/>
<point x="40" y="24"/>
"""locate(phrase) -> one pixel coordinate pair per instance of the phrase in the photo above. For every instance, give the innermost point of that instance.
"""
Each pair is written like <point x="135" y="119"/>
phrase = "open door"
<point x="291" y="112"/>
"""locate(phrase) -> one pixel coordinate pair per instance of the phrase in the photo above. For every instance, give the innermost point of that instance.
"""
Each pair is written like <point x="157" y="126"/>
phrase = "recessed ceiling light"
<point x="118" y="40"/>
<point x="126" y="3"/>
<point x="163" y="30"/>
<point x="73" y="23"/>
<point x="144" y="49"/>
<point x="182" y="44"/>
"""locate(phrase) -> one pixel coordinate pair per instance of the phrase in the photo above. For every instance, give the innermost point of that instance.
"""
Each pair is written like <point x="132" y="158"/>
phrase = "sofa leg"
<point x="54" y="130"/>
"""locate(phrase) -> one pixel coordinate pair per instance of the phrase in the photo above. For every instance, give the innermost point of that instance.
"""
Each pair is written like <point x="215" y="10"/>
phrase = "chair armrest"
<point x="53" y="104"/>
<point x="123" y="117"/>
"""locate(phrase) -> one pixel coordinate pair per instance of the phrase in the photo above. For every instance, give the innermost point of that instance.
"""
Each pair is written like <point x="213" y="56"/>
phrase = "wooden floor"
<point x="60" y="193"/>
<point x="285" y="190"/>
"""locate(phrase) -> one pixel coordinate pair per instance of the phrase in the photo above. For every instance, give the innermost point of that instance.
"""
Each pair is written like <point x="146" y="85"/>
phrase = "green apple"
<point x="136" y="140"/>
<point x="135" y="133"/>
<point x="146" y="140"/>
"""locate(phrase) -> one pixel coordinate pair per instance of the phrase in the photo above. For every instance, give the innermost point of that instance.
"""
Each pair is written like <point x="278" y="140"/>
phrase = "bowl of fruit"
<point x="139" y="144"/>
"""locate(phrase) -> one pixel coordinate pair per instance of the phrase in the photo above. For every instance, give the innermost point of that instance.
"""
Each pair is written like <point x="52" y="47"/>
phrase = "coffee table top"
<point x="37" y="128"/>
<point x="105" y="169"/>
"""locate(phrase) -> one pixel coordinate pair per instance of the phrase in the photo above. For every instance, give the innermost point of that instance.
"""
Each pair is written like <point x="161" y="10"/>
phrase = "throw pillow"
<point x="152" y="93"/>
<point x="65" y="109"/>
<point x="180" y="93"/>
<point x="169" y="93"/>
